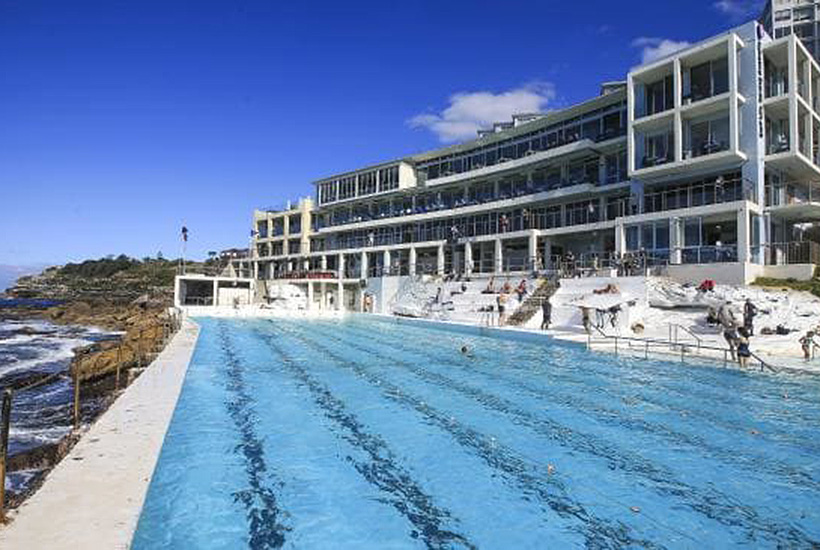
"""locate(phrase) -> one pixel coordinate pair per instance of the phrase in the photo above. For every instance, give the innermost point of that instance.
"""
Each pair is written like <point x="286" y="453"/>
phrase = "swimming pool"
<point x="361" y="433"/>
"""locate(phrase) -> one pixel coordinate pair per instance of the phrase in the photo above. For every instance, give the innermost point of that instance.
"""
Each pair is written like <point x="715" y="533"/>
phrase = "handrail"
<point x="661" y="343"/>
<point x="687" y="330"/>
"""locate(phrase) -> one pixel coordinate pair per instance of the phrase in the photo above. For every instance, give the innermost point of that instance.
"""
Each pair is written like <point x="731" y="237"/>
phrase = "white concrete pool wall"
<point x="93" y="498"/>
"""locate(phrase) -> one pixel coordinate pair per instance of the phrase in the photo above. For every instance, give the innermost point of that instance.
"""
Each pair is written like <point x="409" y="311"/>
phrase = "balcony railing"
<point x="398" y="211"/>
<point x="784" y="194"/>
<point x="709" y="254"/>
<point x="789" y="253"/>
<point x="689" y="196"/>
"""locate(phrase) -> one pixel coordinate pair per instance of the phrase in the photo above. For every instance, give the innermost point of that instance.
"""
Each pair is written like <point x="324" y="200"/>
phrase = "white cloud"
<point x="657" y="48"/>
<point x="469" y="112"/>
<point x="739" y="10"/>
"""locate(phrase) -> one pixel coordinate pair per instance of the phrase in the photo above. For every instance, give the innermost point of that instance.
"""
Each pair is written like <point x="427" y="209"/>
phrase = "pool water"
<point x="362" y="433"/>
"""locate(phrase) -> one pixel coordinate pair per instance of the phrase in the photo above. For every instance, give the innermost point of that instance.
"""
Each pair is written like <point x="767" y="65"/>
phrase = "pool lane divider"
<point x="711" y="504"/>
<point x="266" y="526"/>
<point x="382" y="468"/>
<point x="598" y="532"/>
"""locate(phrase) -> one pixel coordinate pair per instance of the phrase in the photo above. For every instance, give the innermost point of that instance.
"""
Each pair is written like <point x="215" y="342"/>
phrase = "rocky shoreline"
<point x="132" y="333"/>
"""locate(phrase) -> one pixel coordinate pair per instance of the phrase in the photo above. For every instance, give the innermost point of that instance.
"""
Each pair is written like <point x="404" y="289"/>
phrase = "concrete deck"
<point x="94" y="497"/>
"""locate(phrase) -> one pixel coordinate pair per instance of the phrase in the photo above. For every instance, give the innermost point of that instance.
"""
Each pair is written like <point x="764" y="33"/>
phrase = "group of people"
<point x="737" y="336"/>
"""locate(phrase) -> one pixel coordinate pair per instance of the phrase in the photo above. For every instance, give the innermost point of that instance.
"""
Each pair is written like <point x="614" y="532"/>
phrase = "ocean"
<point x="30" y="349"/>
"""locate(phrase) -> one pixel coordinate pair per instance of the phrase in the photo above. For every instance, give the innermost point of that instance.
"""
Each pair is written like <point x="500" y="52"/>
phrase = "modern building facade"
<point x="799" y="17"/>
<point x="704" y="163"/>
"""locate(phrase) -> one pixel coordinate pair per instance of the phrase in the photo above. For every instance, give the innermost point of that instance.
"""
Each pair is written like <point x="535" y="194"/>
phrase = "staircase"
<point x="532" y="304"/>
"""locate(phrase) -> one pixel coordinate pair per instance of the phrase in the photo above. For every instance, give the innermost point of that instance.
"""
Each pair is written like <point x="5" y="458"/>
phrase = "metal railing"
<point x="792" y="193"/>
<point x="789" y="253"/>
<point x="709" y="254"/>
<point x="681" y="349"/>
<point x="689" y="196"/>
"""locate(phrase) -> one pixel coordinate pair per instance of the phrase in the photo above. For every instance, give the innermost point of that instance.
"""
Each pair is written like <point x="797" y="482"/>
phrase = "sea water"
<point x="370" y="434"/>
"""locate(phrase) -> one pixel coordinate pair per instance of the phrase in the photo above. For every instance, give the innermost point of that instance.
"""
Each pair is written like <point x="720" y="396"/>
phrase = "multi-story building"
<point x="704" y="162"/>
<point x="799" y="17"/>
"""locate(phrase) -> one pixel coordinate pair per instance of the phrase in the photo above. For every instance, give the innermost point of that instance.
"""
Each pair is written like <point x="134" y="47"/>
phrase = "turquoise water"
<point x="369" y="434"/>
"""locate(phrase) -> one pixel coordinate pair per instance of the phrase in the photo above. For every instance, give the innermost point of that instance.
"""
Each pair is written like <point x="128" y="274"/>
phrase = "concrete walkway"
<point x="94" y="497"/>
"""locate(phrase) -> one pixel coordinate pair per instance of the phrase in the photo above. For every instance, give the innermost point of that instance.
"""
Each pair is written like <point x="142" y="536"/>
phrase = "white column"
<point x="499" y="256"/>
<point x="386" y="261"/>
<point x="793" y="125"/>
<point x="675" y="241"/>
<point x="323" y="262"/>
<point x="340" y="294"/>
<point x="322" y="295"/>
<point x="341" y="266"/>
<point x="364" y="266"/>
<point x="468" y="258"/>
<point x="743" y="235"/>
<point x="440" y="259"/>
<point x="532" y="249"/>
<point x="620" y="239"/>
<point x="412" y="261"/>
<point x="734" y="117"/>
<point x="310" y="296"/>
<point x="216" y="292"/>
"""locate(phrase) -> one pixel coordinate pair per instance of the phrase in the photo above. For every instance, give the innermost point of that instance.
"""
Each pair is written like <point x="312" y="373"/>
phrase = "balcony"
<point x="795" y="201"/>
<point x="694" y="195"/>
<point x="726" y="253"/>
<point x="790" y="253"/>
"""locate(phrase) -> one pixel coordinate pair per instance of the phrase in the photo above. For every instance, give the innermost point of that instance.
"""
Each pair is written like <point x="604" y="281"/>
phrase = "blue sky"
<point x="121" y="120"/>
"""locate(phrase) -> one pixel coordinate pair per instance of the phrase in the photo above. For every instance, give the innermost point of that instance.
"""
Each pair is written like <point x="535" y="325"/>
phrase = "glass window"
<point x="720" y="76"/>
<point x="692" y="232"/>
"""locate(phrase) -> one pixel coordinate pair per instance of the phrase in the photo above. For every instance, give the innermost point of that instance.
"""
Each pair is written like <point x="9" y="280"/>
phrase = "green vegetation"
<point x="812" y="285"/>
<point x="113" y="277"/>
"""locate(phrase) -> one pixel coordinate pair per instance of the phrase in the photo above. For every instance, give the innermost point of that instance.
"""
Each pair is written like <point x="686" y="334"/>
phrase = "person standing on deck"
<point x="585" y="319"/>
<point x="546" y="314"/>
<point x="743" y="351"/>
<point x="501" y="301"/>
<point x="749" y="312"/>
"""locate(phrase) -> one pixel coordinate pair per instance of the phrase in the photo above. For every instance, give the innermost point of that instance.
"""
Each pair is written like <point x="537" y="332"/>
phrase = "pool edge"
<point x="93" y="498"/>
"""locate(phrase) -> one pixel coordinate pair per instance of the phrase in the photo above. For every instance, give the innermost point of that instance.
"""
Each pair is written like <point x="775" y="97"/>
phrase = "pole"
<point x="77" y="396"/>
<point x="4" y="449"/>
<point x="119" y="364"/>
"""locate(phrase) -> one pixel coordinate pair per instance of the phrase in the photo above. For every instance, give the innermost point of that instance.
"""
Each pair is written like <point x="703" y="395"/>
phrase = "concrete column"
<point x="499" y="256"/>
<point x="364" y="266"/>
<point x="340" y="294"/>
<point x="620" y="239"/>
<point x="468" y="258"/>
<point x="743" y="235"/>
<point x="532" y="250"/>
<point x="734" y="115"/>
<point x="255" y="270"/>
<point x="341" y="270"/>
<point x="310" y="296"/>
<point x="216" y="292"/>
<point x="386" y="261"/>
<point x="675" y="241"/>
<point x="440" y="259"/>
<point x="323" y="262"/>
<point x="412" y="261"/>
<point x="548" y="253"/>
<point x="793" y="124"/>
<point x="306" y="264"/>
<point x="322" y="295"/>
<point x="677" y="88"/>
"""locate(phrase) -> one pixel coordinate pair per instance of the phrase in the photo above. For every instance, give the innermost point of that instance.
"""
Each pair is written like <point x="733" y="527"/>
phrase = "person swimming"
<point x="466" y="351"/>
